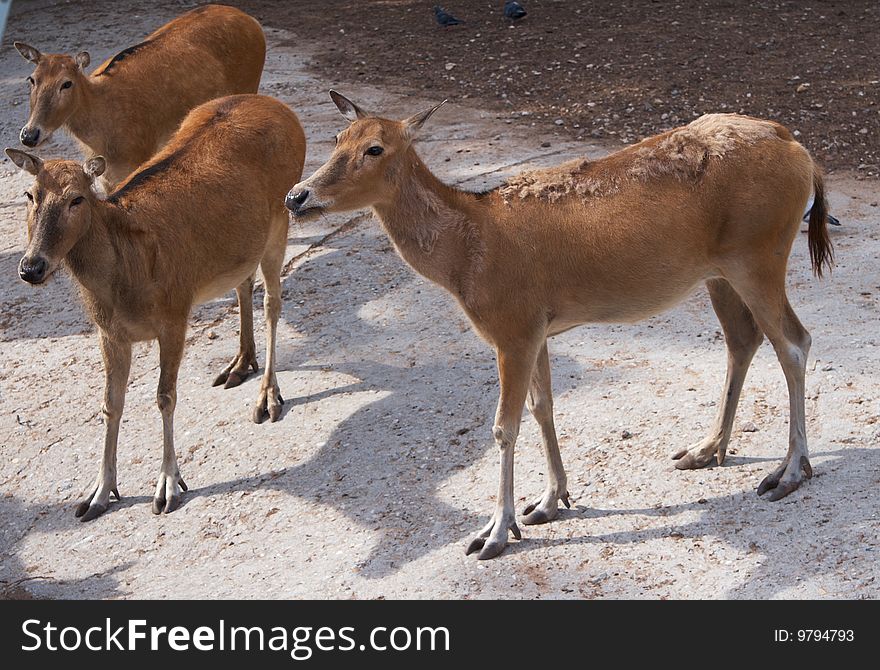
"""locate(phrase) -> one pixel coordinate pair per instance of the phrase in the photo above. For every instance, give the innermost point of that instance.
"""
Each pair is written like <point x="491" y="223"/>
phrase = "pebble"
<point x="749" y="427"/>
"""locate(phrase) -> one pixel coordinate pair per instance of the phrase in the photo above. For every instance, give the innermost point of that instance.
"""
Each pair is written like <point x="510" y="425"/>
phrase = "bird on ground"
<point x="444" y="18"/>
<point x="832" y="220"/>
<point x="513" y="10"/>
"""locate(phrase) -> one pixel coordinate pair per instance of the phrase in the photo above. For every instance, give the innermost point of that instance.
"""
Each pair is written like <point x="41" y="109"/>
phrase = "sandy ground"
<point x="383" y="465"/>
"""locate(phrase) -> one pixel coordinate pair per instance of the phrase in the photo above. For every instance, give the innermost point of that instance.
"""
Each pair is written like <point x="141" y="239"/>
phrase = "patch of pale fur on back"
<point x="556" y="182"/>
<point x="684" y="154"/>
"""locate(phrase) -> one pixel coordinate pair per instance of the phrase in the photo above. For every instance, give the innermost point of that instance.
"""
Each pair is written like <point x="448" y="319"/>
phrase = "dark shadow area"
<point x="742" y="519"/>
<point x="36" y="312"/>
<point x="17" y="582"/>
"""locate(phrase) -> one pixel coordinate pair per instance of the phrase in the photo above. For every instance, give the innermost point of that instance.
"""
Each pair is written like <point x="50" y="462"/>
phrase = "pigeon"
<point x="444" y="18"/>
<point x="513" y="10"/>
<point x="832" y="220"/>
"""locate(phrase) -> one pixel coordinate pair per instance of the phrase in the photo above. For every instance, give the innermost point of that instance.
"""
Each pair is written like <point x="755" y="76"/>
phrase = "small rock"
<point x="625" y="435"/>
<point x="749" y="427"/>
<point x="559" y="122"/>
<point x="212" y="335"/>
<point x="449" y="66"/>
<point x="702" y="501"/>
<point x="802" y="88"/>
<point x="462" y="431"/>
<point x="545" y="145"/>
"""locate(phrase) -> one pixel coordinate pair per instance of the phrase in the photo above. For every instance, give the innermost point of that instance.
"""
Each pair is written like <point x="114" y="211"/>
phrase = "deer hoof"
<point x="698" y="457"/>
<point x="269" y="405"/>
<point x="166" y="506"/>
<point x="89" y="509"/>
<point x="236" y="372"/>
<point x="544" y="509"/>
<point x="93" y="512"/>
<point x="786" y="478"/>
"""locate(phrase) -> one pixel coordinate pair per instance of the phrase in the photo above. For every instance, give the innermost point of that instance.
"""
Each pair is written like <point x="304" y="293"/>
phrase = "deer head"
<point x="59" y="210"/>
<point x="364" y="166"/>
<point x="56" y="86"/>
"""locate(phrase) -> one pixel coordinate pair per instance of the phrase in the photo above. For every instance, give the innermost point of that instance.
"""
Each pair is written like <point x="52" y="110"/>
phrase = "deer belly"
<point x="621" y="303"/>
<point x="220" y="285"/>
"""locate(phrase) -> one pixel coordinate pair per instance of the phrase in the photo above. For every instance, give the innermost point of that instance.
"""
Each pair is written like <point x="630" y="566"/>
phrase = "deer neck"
<point x="88" y="123"/>
<point x="433" y="228"/>
<point x="99" y="260"/>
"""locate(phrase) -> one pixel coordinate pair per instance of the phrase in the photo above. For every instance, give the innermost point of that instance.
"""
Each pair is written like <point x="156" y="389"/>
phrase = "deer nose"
<point x="294" y="201"/>
<point x="33" y="271"/>
<point x="30" y="137"/>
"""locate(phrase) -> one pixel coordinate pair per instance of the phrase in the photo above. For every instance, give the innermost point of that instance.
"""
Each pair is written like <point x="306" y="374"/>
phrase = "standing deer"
<point x="191" y="224"/>
<point x="613" y="240"/>
<point x="130" y="106"/>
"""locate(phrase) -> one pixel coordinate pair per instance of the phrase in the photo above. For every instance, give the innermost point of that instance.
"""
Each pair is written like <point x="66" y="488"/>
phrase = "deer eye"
<point x="375" y="151"/>
<point x="76" y="201"/>
<point x="30" y="80"/>
<point x="29" y="196"/>
<point x="66" y="84"/>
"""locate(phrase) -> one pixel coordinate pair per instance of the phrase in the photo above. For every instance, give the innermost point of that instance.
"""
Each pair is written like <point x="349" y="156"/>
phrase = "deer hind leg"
<point x="743" y="337"/>
<point x="791" y="341"/>
<point x="246" y="359"/>
<point x="170" y="484"/>
<point x="269" y="402"/>
<point x="540" y="404"/>
<point x="117" y="363"/>
<point x="514" y="370"/>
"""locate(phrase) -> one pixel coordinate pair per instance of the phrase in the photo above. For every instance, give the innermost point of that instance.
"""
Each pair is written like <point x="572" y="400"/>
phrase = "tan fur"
<point x="683" y="153"/>
<point x="612" y="240"/>
<point x="193" y="223"/>
<point x="130" y="105"/>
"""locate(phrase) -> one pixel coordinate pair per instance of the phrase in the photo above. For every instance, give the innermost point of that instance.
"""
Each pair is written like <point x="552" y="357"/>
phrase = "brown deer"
<point x="193" y="223"/>
<point x="612" y="240"/>
<point x="130" y="106"/>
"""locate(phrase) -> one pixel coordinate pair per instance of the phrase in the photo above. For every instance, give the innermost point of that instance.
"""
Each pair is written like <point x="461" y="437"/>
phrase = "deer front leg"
<point x="270" y="400"/>
<point x="117" y="363"/>
<point x="514" y="371"/>
<point x="540" y="404"/>
<point x="246" y="359"/>
<point x="169" y="484"/>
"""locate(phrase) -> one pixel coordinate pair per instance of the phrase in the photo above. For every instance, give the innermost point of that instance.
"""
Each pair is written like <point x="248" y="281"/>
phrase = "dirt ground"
<point x="621" y="70"/>
<point x="383" y="465"/>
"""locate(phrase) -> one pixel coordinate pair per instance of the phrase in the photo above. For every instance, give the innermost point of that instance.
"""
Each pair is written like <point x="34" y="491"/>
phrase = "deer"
<point x="613" y="240"/>
<point x="129" y="107"/>
<point x="191" y="224"/>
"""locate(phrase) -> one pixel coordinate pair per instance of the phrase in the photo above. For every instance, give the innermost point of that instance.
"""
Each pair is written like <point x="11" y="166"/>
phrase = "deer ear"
<point x="83" y="59"/>
<point x="94" y="167"/>
<point x="28" y="52"/>
<point x="414" y="123"/>
<point x="27" y="162"/>
<point x="347" y="108"/>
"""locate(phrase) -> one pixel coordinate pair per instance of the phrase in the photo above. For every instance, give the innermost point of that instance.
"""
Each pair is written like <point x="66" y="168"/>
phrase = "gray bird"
<point x="832" y="220"/>
<point x="444" y="18"/>
<point x="513" y="10"/>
